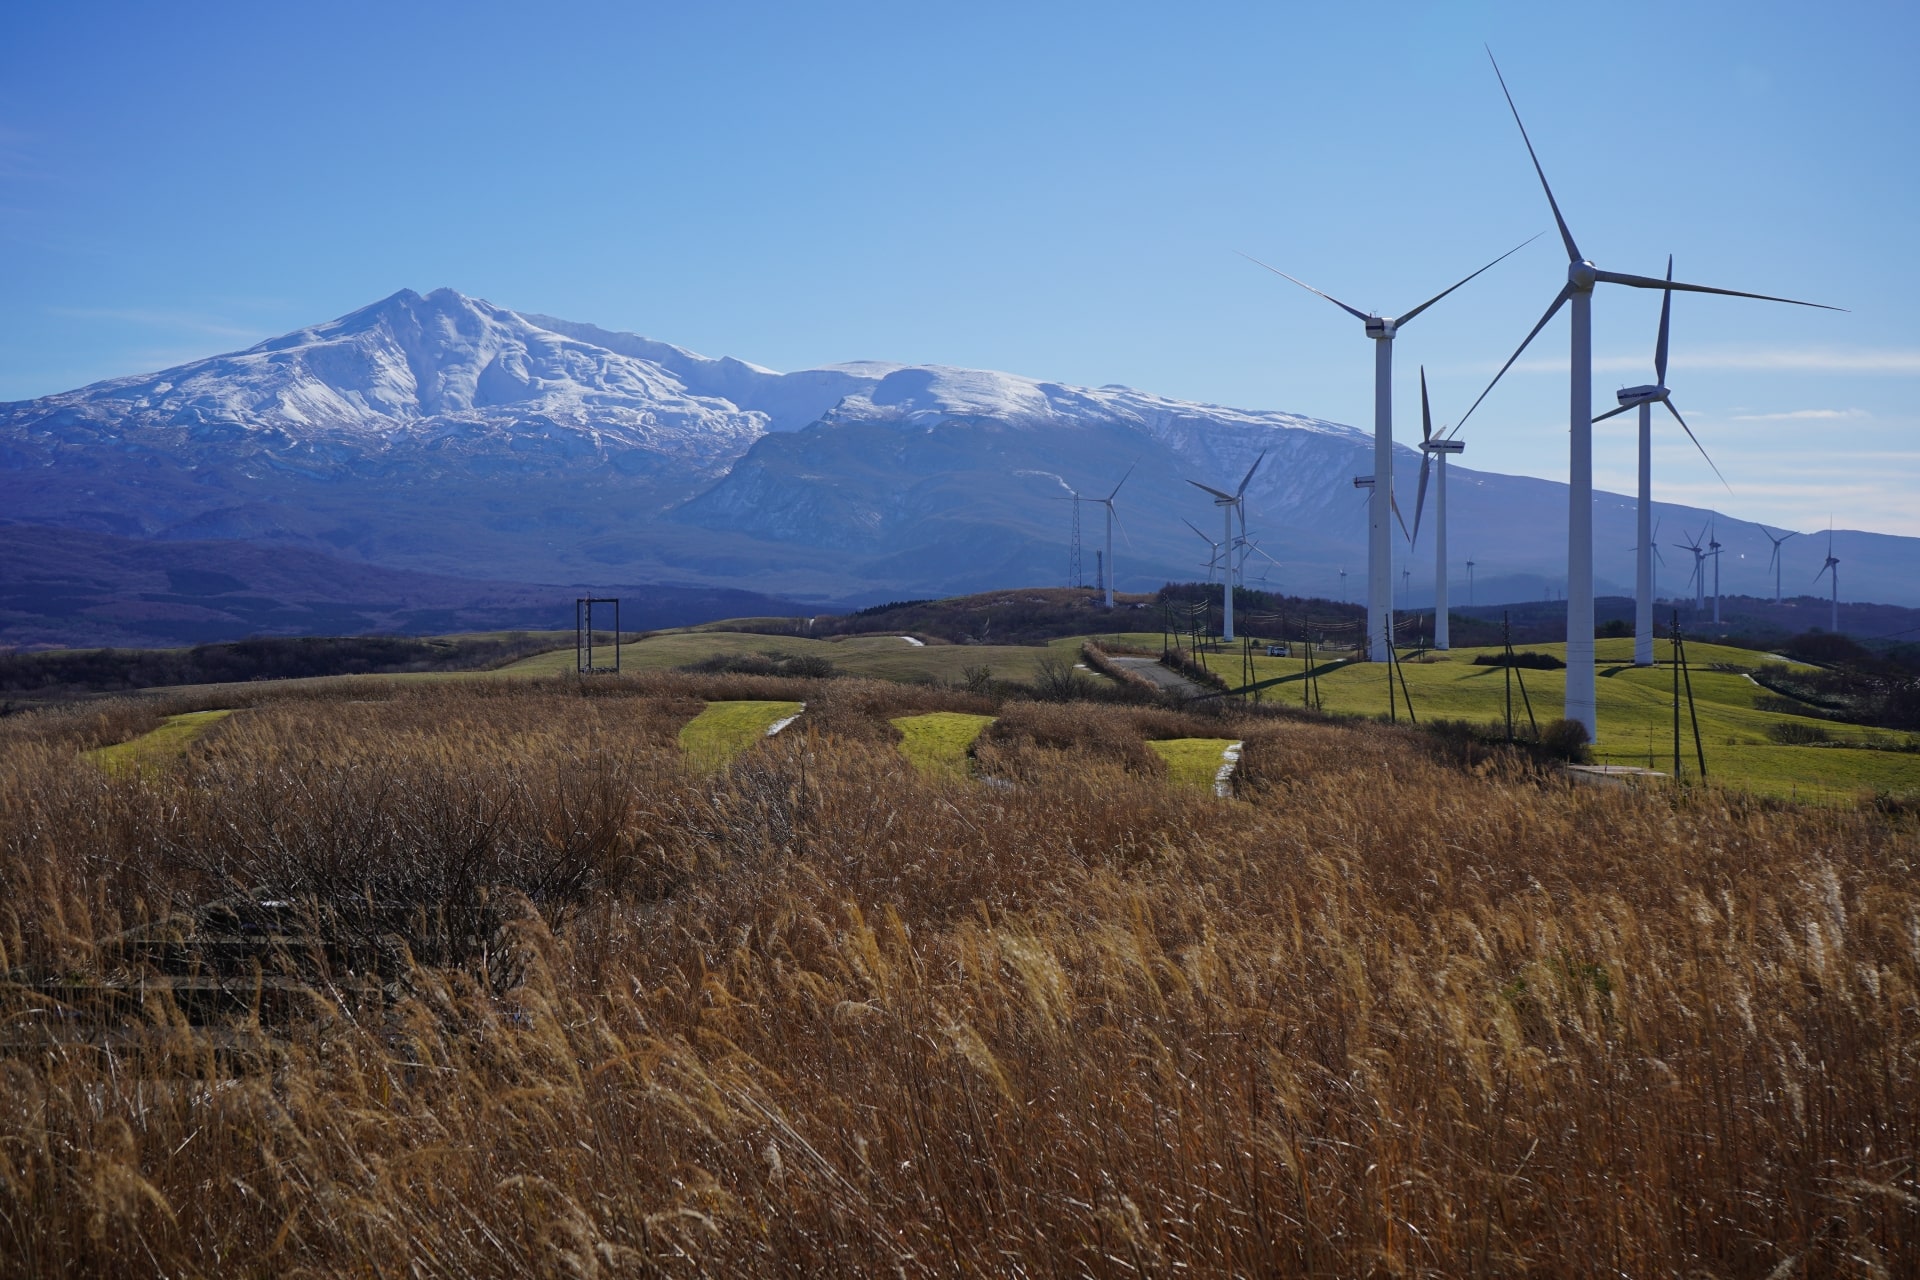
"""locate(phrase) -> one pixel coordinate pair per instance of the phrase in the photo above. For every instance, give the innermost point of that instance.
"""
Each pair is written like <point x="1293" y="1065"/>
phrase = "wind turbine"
<point x="1429" y="448"/>
<point x="1107" y="502"/>
<point x="1832" y="566"/>
<point x="1228" y="503"/>
<point x="1343" y="586"/>
<point x="1379" y="541"/>
<point x="1699" y="578"/>
<point x="1644" y="398"/>
<point x="1776" y="557"/>
<point x="1582" y="276"/>
<point x="1469" y="584"/>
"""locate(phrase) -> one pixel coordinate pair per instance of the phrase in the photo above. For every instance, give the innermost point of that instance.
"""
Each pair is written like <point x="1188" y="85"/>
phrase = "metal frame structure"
<point x="583" y="635"/>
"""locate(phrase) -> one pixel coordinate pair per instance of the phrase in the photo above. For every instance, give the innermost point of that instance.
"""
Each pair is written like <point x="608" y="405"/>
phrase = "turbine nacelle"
<point x="1582" y="276"/>
<point x="1650" y="394"/>
<point x="1443" y="446"/>
<point x="1382" y="327"/>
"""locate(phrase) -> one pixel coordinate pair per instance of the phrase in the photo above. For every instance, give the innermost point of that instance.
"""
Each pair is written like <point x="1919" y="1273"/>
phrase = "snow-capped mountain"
<point x="442" y="433"/>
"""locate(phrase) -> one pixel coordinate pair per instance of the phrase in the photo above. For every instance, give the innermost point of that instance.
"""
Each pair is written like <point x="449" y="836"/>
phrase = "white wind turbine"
<point x="1776" y="557"/>
<point x="1228" y="503"/>
<point x="1582" y="276"/>
<point x="1832" y="566"/>
<point x="1107" y="502"/>
<point x="1429" y="449"/>
<point x="1379" y="536"/>
<point x="1699" y="578"/>
<point x="1644" y="398"/>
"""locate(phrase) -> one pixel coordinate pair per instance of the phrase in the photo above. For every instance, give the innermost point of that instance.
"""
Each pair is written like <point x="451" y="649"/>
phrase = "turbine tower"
<point x="1582" y="276"/>
<point x="1832" y="566"/>
<point x="1776" y="557"/>
<point x="1379" y="541"/>
<point x="1429" y="449"/>
<point x="1644" y="398"/>
<point x="1713" y="549"/>
<point x="1228" y="504"/>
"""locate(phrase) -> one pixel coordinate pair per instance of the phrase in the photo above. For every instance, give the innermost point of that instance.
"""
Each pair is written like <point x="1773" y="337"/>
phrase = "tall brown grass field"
<point x="544" y="1000"/>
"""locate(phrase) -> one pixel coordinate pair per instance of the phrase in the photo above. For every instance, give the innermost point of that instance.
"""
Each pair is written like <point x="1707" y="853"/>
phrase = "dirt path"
<point x="1164" y="678"/>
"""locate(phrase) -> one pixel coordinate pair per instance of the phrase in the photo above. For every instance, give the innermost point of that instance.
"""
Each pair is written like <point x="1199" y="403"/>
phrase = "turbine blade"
<point x="1249" y="476"/>
<point x="1650" y="282"/>
<point x="1444" y="292"/>
<point x="1123" y="480"/>
<point x="1355" y="312"/>
<point x="1666" y="313"/>
<point x="1558" y="301"/>
<point x="1224" y="497"/>
<point x="1566" y="236"/>
<point x="1115" y="513"/>
<point x="1203" y="537"/>
<point x="1393" y="500"/>
<point x="1658" y="558"/>
<point x="1426" y="411"/>
<point x="1420" y="499"/>
<point x="1614" y="413"/>
<point x="1696" y="442"/>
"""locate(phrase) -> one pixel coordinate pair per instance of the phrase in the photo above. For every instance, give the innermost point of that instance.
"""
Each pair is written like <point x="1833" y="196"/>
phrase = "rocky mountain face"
<point x="445" y="435"/>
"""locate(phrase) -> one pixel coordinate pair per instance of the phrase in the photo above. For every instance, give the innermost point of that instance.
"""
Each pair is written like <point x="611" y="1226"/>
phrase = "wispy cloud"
<point x="1806" y="360"/>
<point x="175" y="321"/>
<point x="1800" y="415"/>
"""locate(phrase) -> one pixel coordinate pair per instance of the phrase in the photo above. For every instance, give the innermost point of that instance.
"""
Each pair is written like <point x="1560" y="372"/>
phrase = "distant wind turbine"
<point x="1107" y="502"/>
<point x="1832" y="566"/>
<point x="1228" y="504"/>
<point x="1699" y="578"/>
<point x="1776" y="557"/>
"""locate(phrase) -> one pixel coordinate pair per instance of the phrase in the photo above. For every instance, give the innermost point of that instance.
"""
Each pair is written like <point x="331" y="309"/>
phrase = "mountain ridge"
<point x="443" y="434"/>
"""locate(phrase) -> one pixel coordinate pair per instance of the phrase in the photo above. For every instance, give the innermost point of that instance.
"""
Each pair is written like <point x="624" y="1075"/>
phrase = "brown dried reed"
<point x="823" y="1014"/>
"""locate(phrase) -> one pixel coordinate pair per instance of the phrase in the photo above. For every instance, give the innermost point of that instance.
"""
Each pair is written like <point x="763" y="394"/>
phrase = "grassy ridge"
<point x="820" y="1014"/>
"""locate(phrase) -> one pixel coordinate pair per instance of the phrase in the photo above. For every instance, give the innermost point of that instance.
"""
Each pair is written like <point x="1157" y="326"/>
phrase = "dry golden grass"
<point x="819" y="1014"/>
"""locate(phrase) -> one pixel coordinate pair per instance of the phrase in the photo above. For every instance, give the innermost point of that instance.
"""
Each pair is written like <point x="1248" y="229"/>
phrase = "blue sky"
<point x="1055" y="190"/>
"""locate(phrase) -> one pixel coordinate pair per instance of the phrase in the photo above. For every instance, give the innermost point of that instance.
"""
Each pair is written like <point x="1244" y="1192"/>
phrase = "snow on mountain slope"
<point x="413" y="365"/>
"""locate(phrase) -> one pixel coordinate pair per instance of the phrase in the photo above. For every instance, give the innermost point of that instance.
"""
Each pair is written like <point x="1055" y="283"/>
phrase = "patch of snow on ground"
<point x="1223" y="779"/>
<point x="784" y="721"/>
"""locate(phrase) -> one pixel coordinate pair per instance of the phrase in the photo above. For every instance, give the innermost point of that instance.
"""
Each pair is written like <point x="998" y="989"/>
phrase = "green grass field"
<point x="1635" y="714"/>
<point x="724" y="730"/>
<point x="1192" y="762"/>
<point x="151" y="750"/>
<point x="938" y="741"/>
